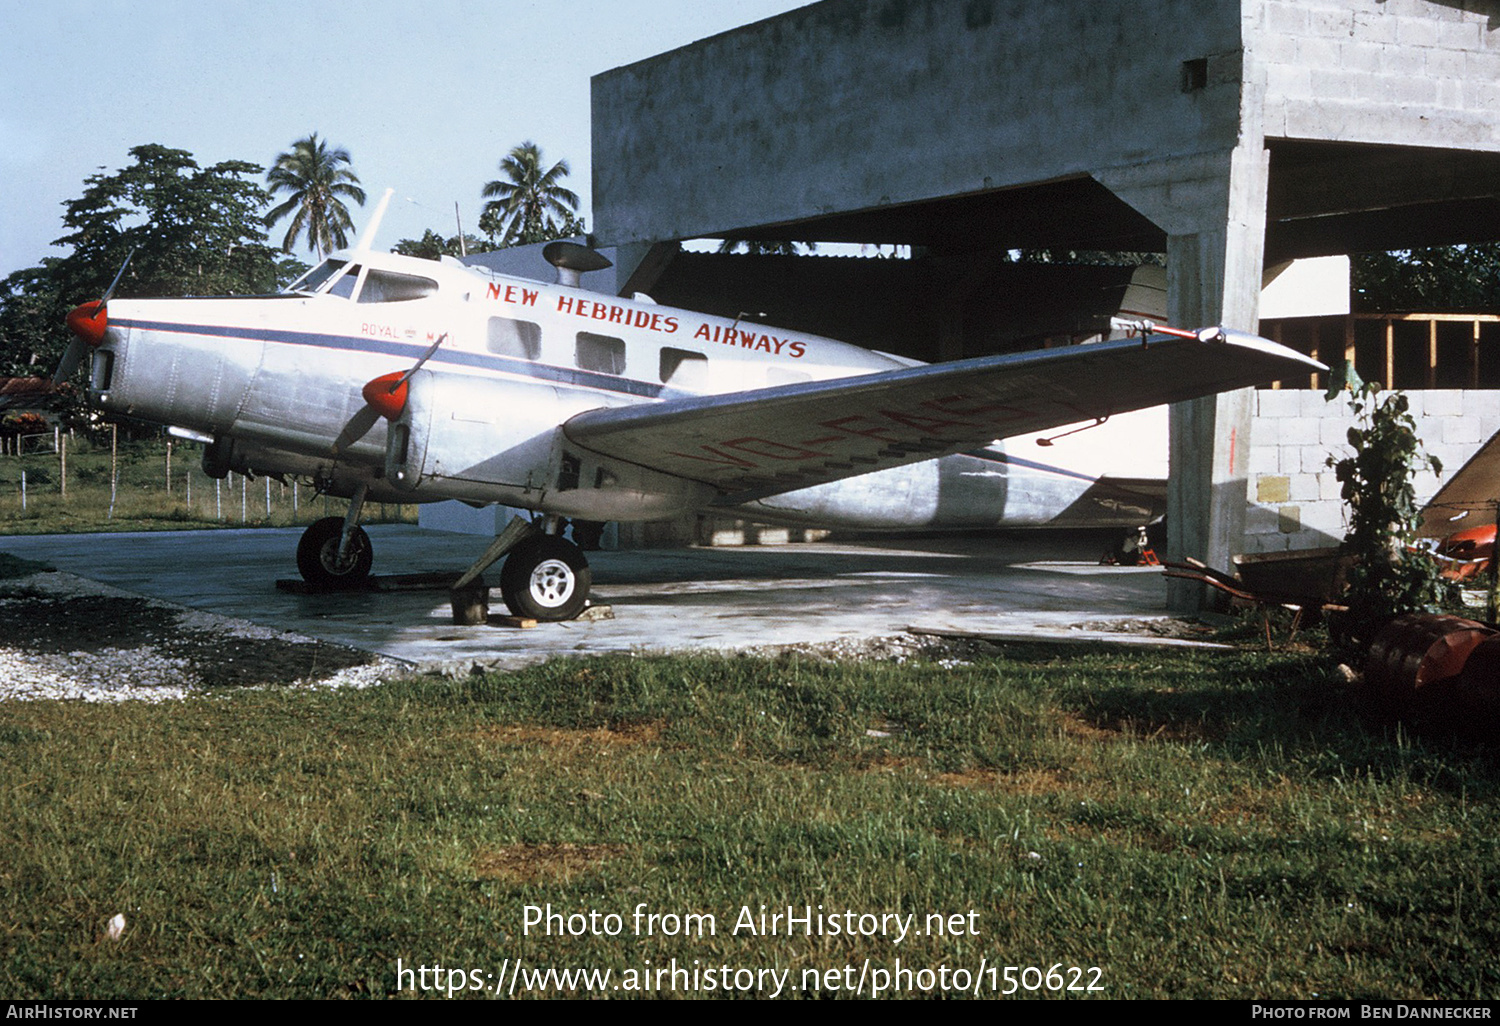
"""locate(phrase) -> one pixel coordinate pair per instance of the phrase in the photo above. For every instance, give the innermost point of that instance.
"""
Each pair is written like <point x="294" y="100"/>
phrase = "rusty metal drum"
<point x="1418" y="651"/>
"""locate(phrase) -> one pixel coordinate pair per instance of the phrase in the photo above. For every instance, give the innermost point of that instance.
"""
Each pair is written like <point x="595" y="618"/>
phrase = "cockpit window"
<point x="314" y="279"/>
<point x="394" y="287"/>
<point x="344" y="287"/>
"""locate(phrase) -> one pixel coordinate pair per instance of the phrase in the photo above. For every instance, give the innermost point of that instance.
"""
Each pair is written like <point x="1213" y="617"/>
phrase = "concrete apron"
<point x="1024" y="586"/>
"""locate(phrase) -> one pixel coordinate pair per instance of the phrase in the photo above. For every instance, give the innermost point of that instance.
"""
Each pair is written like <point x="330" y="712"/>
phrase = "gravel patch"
<point x="960" y="648"/>
<point x="65" y="637"/>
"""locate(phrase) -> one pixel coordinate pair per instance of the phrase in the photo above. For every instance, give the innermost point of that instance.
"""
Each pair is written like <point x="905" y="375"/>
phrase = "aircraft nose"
<point x="88" y="321"/>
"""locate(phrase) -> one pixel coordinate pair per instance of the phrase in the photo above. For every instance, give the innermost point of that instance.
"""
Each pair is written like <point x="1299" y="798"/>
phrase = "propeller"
<point x="88" y="322"/>
<point x="384" y="396"/>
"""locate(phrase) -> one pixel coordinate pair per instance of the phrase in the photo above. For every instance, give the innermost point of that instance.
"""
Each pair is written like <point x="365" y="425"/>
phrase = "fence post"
<point x="114" y="467"/>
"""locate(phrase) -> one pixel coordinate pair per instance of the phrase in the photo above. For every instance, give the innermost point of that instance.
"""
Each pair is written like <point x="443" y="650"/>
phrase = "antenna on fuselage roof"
<point x="366" y="237"/>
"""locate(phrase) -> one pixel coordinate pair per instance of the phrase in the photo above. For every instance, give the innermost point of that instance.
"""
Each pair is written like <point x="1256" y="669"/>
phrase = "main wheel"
<point x="546" y="578"/>
<point x="318" y="555"/>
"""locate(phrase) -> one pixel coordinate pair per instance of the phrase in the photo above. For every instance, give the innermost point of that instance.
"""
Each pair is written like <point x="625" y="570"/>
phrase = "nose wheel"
<point x="318" y="555"/>
<point x="546" y="578"/>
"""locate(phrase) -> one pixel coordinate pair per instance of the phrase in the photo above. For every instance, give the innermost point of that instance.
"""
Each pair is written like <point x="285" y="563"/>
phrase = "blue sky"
<point x="427" y="97"/>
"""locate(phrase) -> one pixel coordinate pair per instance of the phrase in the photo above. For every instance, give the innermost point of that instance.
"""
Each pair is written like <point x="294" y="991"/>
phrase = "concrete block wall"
<point x="851" y="104"/>
<point x="1418" y="72"/>
<point x="1293" y="494"/>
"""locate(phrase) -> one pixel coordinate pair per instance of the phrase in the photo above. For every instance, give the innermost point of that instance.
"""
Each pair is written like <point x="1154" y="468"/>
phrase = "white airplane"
<point x="385" y="378"/>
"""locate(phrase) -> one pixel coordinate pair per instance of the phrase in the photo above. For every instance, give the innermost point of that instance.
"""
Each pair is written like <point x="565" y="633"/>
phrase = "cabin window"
<point x="521" y="339"/>
<point x="314" y="279"/>
<point x="781" y="376"/>
<point x="394" y="287"/>
<point x="683" y="368"/>
<point x="344" y="287"/>
<point x="602" y="353"/>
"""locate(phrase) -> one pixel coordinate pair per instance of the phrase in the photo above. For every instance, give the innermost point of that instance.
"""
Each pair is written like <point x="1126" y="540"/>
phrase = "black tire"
<point x="318" y="550"/>
<point x="547" y="579"/>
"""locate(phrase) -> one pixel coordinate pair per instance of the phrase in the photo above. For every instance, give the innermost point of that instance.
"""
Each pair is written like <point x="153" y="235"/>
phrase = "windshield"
<point x="313" y="279"/>
<point x="393" y="287"/>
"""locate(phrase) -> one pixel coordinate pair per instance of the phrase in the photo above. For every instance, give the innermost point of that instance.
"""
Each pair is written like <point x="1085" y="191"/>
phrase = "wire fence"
<point x="55" y="481"/>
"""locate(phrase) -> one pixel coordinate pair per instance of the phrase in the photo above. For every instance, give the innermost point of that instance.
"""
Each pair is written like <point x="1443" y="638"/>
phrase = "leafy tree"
<point x="529" y="204"/>
<point x="431" y="246"/>
<point x="318" y="182"/>
<point x="1090" y="257"/>
<point x="1390" y="576"/>
<point x="193" y="230"/>
<point x="764" y="247"/>
<point x="31" y="322"/>
<point x="289" y="269"/>
<point x="1438" y="278"/>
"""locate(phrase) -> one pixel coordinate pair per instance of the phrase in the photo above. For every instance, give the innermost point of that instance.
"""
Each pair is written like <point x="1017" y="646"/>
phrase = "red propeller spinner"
<point x="387" y="394"/>
<point x="88" y="321"/>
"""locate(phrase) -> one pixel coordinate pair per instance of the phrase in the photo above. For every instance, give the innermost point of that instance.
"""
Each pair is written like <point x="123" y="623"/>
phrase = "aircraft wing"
<point x="1467" y="499"/>
<point x="762" y="442"/>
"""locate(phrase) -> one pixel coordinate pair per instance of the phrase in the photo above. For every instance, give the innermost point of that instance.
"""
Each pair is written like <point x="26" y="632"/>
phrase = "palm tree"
<point x="316" y="178"/>
<point x="523" y="206"/>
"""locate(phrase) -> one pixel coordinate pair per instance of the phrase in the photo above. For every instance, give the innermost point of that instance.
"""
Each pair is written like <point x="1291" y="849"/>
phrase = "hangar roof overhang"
<point x="1324" y="198"/>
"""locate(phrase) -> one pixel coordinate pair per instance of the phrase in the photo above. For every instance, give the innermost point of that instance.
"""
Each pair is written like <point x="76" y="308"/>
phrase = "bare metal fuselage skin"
<point x="275" y="381"/>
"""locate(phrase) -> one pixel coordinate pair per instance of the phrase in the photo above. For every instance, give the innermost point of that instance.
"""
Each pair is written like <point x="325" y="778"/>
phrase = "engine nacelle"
<point x="455" y="430"/>
<point x="468" y="439"/>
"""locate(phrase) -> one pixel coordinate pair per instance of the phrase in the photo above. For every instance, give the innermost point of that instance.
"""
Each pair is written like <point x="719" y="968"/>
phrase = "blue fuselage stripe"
<point x="385" y="347"/>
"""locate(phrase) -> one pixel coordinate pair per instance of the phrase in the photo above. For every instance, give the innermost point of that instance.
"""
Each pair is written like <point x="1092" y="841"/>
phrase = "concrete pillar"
<point x="1213" y="208"/>
<point x="638" y="265"/>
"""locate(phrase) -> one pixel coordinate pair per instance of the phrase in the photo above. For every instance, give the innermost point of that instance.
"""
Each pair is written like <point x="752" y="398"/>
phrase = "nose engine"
<point x="88" y="322"/>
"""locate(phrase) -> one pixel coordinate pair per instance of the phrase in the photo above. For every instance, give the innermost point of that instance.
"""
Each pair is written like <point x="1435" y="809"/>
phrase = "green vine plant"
<point x="1390" y="576"/>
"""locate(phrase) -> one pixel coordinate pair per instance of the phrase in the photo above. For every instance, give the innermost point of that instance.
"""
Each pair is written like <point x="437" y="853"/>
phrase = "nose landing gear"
<point x="319" y="560"/>
<point x="335" y="552"/>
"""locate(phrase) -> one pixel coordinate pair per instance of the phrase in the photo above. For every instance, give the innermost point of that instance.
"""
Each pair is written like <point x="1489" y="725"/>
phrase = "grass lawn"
<point x="1173" y="825"/>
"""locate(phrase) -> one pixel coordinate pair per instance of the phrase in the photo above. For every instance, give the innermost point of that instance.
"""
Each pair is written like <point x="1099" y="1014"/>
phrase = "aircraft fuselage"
<point x="276" y="384"/>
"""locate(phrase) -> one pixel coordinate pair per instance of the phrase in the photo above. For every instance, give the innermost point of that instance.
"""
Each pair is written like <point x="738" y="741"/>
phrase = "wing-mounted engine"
<point x="476" y="439"/>
<point x="461" y="434"/>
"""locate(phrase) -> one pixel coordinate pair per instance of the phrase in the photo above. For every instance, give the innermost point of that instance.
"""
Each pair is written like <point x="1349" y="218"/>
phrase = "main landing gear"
<point x="545" y="576"/>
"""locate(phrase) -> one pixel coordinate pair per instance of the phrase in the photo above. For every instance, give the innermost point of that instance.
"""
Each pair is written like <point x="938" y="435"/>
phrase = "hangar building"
<point x="1230" y="135"/>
